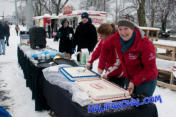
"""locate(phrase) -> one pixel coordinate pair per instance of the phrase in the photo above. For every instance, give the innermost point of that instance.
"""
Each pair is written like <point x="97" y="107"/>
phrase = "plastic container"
<point x="47" y="57"/>
<point x="84" y="57"/>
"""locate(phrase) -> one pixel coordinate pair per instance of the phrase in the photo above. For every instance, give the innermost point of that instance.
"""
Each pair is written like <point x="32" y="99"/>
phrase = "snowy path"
<point x="20" y="102"/>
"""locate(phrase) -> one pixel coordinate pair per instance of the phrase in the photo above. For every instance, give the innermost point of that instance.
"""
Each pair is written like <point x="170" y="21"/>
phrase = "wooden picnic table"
<point x="166" y="66"/>
<point x="152" y="33"/>
<point x="169" y="46"/>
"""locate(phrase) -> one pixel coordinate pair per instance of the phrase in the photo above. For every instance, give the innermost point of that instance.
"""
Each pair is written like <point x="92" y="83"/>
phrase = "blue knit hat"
<point x="84" y="15"/>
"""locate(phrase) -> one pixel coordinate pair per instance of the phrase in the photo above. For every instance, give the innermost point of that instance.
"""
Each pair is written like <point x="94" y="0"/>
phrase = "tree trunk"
<point x="141" y="13"/>
<point x="38" y="8"/>
<point x="164" y="25"/>
<point x="152" y="17"/>
<point x="164" y="21"/>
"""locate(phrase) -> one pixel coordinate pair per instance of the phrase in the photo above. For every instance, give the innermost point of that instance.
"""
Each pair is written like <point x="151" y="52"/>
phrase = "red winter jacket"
<point x="96" y="52"/>
<point x="106" y="63"/>
<point x="138" y="62"/>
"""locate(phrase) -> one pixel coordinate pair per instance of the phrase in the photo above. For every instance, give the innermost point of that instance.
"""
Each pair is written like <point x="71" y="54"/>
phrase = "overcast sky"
<point x="7" y="6"/>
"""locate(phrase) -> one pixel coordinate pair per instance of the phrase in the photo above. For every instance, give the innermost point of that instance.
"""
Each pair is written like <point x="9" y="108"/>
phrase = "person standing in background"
<point x="2" y="42"/>
<point x="17" y="28"/>
<point x="66" y="35"/>
<point x="49" y="31"/>
<point x="85" y="35"/>
<point x="7" y="29"/>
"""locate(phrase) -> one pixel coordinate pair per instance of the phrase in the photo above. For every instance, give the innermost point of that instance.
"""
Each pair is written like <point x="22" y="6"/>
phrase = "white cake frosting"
<point x="79" y="71"/>
<point x="75" y="73"/>
<point x="102" y="90"/>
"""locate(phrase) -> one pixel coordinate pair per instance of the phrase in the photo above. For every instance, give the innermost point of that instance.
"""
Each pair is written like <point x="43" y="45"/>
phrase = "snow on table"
<point x="149" y="28"/>
<point x="165" y="42"/>
<point x="165" y="64"/>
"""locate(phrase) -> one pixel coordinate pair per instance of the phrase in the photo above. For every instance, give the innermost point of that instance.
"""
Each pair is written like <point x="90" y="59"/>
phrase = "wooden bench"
<point x="170" y="52"/>
<point x="151" y="32"/>
<point x="165" y="66"/>
<point x="169" y="46"/>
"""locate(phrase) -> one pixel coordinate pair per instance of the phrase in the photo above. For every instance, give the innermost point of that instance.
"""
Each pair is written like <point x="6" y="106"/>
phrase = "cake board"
<point x="101" y="90"/>
<point x="78" y="73"/>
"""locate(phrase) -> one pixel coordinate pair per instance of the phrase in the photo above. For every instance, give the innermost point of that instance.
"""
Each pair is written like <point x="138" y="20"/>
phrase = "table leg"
<point x="172" y="78"/>
<point x="173" y="54"/>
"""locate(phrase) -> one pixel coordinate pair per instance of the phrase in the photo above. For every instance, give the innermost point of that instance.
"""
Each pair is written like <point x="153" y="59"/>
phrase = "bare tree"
<point x="121" y="8"/>
<point x="38" y="8"/>
<point x="97" y="5"/>
<point x="58" y="5"/>
<point x="84" y="5"/>
<point x="21" y="16"/>
<point x="49" y="6"/>
<point x="151" y="9"/>
<point x="46" y="5"/>
<point x="160" y="12"/>
<point x="165" y="8"/>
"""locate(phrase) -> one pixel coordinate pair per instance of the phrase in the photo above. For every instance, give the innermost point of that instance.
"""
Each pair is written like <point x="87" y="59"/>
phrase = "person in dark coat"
<point x="66" y="35"/>
<point x="85" y="35"/>
<point x="17" y="28"/>
<point x="7" y="29"/>
<point x="2" y="42"/>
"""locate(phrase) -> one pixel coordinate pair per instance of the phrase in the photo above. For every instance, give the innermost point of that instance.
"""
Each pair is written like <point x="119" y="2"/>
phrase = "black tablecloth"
<point x="61" y="103"/>
<point x="33" y="75"/>
<point x="48" y="96"/>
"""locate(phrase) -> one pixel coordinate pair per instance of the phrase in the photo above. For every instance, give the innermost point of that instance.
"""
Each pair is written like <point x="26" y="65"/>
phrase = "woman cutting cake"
<point x="136" y="55"/>
<point x="105" y="31"/>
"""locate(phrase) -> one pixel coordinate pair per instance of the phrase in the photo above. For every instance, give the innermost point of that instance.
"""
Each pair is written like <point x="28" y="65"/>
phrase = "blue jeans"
<point x="2" y="46"/>
<point x="7" y="40"/>
<point x="145" y="88"/>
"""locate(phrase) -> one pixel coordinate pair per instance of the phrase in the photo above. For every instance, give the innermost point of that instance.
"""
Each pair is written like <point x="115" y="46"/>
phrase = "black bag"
<point x="65" y="61"/>
<point x="37" y="37"/>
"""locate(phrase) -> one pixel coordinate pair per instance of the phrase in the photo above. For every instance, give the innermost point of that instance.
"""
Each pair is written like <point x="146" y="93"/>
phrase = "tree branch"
<point x="63" y="5"/>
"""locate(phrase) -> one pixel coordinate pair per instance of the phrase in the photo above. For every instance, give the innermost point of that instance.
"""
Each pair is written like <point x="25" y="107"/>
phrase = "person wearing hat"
<point x="2" y="41"/>
<point x="85" y="34"/>
<point x="7" y="28"/>
<point x="137" y="57"/>
<point x="65" y="34"/>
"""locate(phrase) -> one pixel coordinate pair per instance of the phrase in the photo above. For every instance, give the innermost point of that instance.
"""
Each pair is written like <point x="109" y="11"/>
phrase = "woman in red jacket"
<point x="105" y="31"/>
<point x="137" y="57"/>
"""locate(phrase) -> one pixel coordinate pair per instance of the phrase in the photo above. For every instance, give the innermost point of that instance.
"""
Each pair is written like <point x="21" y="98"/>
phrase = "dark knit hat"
<point x="64" y="20"/>
<point x="84" y="15"/>
<point x="126" y="23"/>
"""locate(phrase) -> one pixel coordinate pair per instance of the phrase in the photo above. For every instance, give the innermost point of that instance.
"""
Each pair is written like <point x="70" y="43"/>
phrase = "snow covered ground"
<point x="20" y="101"/>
